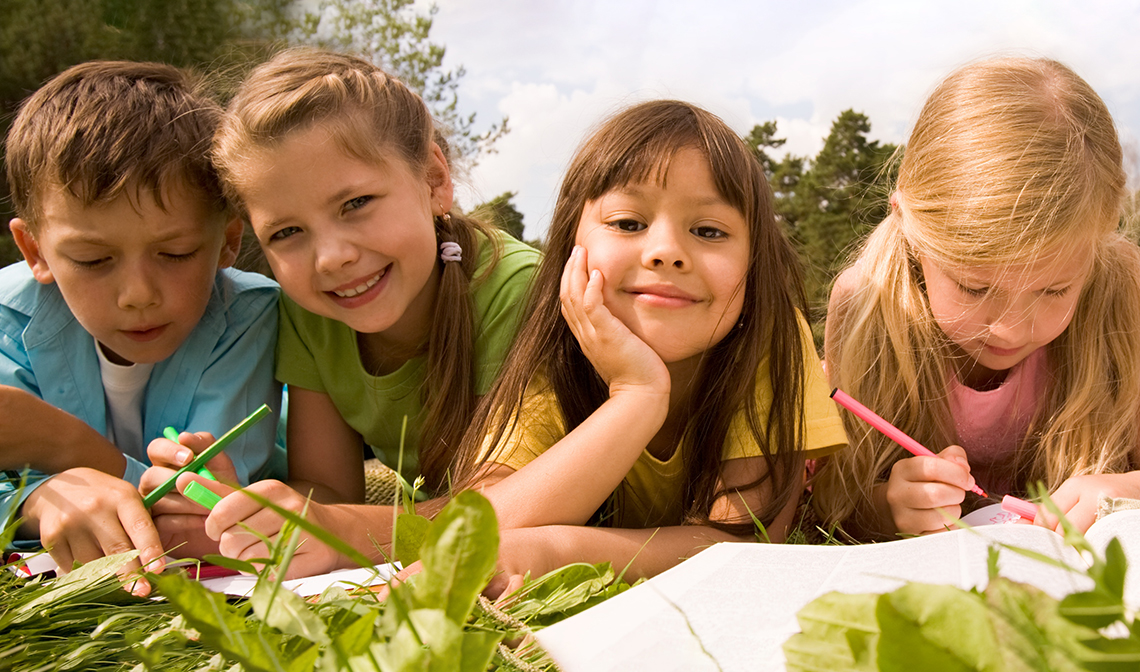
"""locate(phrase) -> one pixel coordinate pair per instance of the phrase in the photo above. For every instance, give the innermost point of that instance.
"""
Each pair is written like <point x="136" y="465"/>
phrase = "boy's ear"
<point x="31" y="251"/>
<point x="439" y="179"/>
<point x="232" y="244"/>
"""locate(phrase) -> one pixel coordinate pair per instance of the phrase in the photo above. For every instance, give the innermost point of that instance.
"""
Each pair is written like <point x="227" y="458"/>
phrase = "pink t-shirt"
<point x="990" y="424"/>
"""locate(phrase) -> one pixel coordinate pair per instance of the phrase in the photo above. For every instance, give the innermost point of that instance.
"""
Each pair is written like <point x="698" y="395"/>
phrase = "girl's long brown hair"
<point x="371" y="114"/>
<point x="633" y="147"/>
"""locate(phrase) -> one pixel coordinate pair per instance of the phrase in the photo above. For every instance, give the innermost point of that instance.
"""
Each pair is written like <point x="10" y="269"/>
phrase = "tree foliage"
<point x="224" y="38"/>
<point x="501" y="212"/>
<point x="831" y="201"/>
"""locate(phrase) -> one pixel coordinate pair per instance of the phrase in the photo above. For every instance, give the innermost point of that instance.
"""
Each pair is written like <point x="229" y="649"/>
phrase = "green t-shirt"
<point x="321" y="354"/>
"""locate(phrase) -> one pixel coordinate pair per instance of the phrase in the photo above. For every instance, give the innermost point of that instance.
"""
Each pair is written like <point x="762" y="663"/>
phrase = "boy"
<point x="122" y="323"/>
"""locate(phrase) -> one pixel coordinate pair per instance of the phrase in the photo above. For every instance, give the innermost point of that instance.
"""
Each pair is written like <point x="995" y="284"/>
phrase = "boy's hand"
<point x="83" y="514"/>
<point x="919" y="487"/>
<point x="1079" y="497"/>
<point x="181" y="523"/>
<point x="233" y="519"/>
<point x="623" y="360"/>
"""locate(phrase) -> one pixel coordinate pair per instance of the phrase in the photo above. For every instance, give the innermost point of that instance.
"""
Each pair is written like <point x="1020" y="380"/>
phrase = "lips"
<point x="145" y="333"/>
<point x="662" y="295"/>
<point x="1002" y="352"/>
<point x="358" y="287"/>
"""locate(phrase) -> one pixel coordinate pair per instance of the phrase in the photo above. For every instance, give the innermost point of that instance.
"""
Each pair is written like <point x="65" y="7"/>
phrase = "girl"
<point x="996" y="308"/>
<point x="395" y="305"/>
<point x="665" y="374"/>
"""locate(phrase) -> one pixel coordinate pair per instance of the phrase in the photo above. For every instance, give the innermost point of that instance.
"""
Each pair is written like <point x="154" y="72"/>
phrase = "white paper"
<point x="243" y="584"/>
<point x="735" y="604"/>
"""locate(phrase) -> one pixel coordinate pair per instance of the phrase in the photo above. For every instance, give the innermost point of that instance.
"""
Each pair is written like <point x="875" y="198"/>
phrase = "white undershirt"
<point x="123" y="387"/>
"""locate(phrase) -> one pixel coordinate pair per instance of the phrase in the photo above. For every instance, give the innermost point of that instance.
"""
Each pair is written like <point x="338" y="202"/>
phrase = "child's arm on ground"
<point x="325" y="454"/>
<point x="646" y="552"/>
<point x="35" y="434"/>
<point x="83" y="514"/>
<point x="571" y="479"/>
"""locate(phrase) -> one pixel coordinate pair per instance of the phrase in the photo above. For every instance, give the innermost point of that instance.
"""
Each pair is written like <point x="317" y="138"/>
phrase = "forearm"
<point x="368" y="528"/>
<point x="47" y="439"/>
<point x="570" y="480"/>
<point x="642" y="553"/>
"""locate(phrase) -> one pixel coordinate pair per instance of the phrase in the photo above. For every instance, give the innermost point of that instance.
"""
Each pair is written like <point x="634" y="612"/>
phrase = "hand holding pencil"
<point x="921" y="490"/>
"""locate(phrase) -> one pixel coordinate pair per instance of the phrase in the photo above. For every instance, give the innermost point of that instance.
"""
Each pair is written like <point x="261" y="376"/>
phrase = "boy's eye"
<point x="90" y="263"/>
<point x="283" y="233"/>
<point x="709" y="232"/>
<point x="356" y="203"/>
<point x="184" y="256"/>
<point x="627" y="225"/>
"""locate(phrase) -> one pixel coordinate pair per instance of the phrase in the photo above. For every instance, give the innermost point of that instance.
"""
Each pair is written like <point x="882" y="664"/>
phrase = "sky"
<point x="557" y="69"/>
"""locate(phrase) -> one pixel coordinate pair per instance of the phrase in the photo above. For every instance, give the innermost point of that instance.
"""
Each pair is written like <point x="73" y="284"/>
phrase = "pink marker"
<point x="1019" y="506"/>
<point x="890" y="431"/>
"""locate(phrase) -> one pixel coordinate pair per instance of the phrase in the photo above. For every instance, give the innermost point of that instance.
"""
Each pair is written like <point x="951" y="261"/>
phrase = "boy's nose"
<point x="138" y="291"/>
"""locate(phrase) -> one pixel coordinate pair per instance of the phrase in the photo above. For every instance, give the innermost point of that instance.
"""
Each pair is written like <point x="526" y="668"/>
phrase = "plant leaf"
<point x="288" y="612"/>
<point x="838" y="632"/>
<point x="935" y="628"/>
<point x="458" y="556"/>
<point x="411" y="530"/>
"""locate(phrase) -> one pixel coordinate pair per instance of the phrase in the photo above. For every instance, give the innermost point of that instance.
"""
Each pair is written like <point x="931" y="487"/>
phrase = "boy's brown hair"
<point x="101" y="127"/>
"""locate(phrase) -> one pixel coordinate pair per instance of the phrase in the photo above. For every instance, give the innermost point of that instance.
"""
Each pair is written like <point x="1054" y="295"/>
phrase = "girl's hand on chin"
<point x="623" y="360"/>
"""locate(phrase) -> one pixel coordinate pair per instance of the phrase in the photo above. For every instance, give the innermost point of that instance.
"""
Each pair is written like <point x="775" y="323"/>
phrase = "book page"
<point x="732" y="606"/>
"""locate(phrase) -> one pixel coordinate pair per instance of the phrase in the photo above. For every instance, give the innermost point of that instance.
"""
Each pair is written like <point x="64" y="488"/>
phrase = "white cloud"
<point x="558" y="68"/>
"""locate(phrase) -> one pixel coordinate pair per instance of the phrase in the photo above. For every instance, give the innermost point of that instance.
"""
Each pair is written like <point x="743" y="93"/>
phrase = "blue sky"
<point x="557" y="68"/>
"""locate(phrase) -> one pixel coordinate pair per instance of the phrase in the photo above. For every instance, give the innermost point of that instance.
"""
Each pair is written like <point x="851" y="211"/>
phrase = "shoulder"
<point x="514" y="257"/>
<point x="19" y="289"/>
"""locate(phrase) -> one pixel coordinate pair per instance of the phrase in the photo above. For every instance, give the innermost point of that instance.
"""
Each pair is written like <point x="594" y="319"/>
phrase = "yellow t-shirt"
<point x="651" y="493"/>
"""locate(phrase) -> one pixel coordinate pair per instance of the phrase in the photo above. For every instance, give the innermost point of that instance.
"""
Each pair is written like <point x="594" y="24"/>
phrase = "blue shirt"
<point x="221" y="373"/>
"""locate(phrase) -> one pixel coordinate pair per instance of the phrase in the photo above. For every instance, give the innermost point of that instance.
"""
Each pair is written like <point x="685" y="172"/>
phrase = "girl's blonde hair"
<point x="1011" y="161"/>
<point x="633" y="147"/>
<point x="372" y="116"/>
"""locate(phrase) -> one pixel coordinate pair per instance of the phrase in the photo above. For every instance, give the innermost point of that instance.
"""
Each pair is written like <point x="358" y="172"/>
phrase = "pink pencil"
<point x="890" y="431"/>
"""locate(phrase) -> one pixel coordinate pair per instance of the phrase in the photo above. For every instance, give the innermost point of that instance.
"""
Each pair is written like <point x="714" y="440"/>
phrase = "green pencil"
<point x="206" y="455"/>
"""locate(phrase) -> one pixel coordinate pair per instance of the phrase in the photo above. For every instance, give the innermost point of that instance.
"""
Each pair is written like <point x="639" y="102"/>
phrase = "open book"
<point x="732" y="606"/>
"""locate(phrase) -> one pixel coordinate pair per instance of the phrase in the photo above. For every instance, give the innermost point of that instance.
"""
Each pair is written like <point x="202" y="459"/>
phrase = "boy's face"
<point x="137" y="277"/>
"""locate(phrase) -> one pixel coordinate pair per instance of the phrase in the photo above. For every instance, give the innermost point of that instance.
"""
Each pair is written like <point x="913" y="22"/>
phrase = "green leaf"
<point x="935" y="629"/>
<point x="564" y="591"/>
<point x="458" y="556"/>
<point x="1093" y="609"/>
<point x="838" y="632"/>
<point x="230" y="563"/>
<point x="478" y="650"/>
<point x="1032" y="632"/>
<point x="411" y="530"/>
<point x="992" y="556"/>
<point x="288" y="612"/>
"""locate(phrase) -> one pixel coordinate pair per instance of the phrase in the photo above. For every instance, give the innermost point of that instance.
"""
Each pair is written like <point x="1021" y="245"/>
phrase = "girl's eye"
<point x="356" y="203"/>
<point x="709" y="233"/>
<point x="974" y="291"/>
<point x="1056" y="292"/>
<point x="283" y="233"/>
<point x="627" y="225"/>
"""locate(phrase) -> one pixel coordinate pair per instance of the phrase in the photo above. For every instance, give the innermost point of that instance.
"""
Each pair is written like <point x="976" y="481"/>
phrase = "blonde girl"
<point x="996" y="310"/>
<point x="664" y="383"/>
<point x="394" y="304"/>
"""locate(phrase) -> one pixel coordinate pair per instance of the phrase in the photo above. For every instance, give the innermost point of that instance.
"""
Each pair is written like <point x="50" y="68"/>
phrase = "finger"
<point x="592" y="296"/>
<point x="514" y="584"/>
<point x="142" y="535"/>
<point x="956" y="454"/>
<point x="1082" y="516"/>
<point x="184" y="535"/>
<point x="934" y="470"/>
<point x="63" y="555"/>
<point x="166" y="453"/>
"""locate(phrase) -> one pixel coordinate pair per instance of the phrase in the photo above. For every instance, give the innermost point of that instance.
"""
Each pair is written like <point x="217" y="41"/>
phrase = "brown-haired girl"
<point x="395" y="305"/>
<point x="665" y="382"/>
<point x="996" y="310"/>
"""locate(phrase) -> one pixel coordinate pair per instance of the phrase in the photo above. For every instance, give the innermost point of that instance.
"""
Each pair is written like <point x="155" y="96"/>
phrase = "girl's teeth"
<point x="349" y="293"/>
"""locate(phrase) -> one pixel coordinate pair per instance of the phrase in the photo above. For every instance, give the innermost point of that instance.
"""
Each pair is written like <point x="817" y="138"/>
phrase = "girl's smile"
<point x="350" y="239"/>
<point x="673" y="255"/>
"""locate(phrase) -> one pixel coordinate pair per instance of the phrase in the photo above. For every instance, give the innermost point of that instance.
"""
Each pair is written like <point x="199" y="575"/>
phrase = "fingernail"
<point x="185" y="456"/>
<point x="595" y="274"/>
